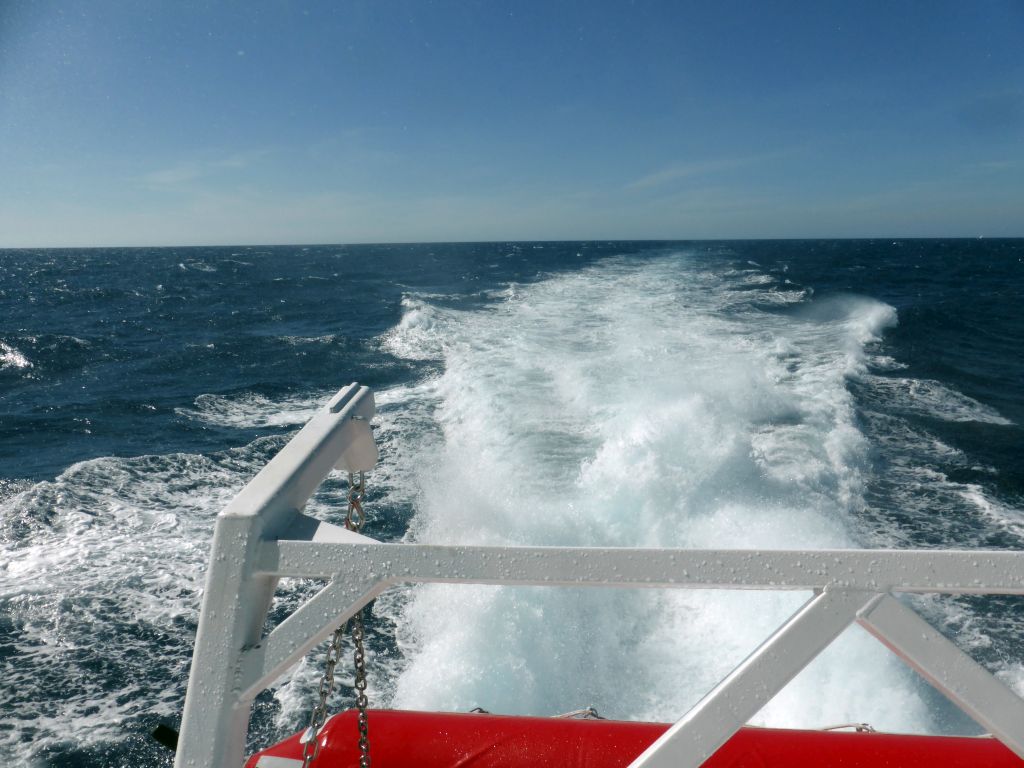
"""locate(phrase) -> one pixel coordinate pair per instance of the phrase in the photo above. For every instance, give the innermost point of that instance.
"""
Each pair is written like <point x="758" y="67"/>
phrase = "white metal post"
<point x="236" y="599"/>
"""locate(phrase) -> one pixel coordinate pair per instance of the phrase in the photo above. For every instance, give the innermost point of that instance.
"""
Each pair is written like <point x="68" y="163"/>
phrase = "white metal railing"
<point x="263" y="535"/>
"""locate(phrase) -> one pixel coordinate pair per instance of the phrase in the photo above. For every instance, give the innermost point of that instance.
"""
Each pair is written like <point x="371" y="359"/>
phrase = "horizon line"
<point x="894" y="238"/>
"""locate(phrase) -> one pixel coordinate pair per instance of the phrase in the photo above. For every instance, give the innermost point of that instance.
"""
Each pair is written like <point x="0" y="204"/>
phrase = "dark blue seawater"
<point x="775" y="393"/>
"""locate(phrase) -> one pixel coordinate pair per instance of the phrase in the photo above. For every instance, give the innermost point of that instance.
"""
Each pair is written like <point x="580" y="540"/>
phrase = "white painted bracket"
<point x="262" y="536"/>
<point x="236" y="600"/>
<point x="361" y="454"/>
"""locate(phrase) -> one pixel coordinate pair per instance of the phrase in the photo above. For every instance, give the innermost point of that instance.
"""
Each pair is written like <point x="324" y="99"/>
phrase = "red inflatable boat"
<point x="433" y="740"/>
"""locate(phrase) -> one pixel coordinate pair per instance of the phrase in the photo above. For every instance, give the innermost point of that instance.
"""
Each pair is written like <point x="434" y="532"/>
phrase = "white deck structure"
<point x="263" y="535"/>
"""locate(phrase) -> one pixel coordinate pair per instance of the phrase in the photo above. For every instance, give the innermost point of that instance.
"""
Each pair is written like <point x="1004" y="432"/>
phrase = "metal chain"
<point x="360" y="686"/>
<point x="354" y="520"/>
<point x="311" y="737"/>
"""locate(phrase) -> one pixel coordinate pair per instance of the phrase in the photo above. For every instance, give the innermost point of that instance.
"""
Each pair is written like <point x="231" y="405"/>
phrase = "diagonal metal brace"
<point x="966" y="683"/>
<point x="309" y="625"/>
<point x="716" y="717"/>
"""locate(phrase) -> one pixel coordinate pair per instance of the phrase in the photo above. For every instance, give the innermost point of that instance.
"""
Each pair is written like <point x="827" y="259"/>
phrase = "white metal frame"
<point x="263" y="535"/>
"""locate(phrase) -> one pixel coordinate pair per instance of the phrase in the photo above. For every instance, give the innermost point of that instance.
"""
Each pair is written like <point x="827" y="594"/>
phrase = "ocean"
<point x="856" y="393"/>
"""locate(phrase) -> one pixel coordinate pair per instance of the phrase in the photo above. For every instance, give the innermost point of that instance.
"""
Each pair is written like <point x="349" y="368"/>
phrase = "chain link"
<point x="354" y="520"/>
<point x="319" y="716"/>
<point x="360" y="686"/>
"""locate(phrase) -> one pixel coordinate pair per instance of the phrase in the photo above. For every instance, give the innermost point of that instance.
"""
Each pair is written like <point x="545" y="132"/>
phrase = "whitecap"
<point x="103" y="573"/>
<point x="10" y="357"/>
<point x="420" y="334"/>
<point x="927" y="397"/>
<point x="250" y="410"/>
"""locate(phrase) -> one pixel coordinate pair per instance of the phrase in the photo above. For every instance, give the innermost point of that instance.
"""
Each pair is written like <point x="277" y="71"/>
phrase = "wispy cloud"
<point x="193" y="170"/>
<point x="993" y="165"/>
<point x="679" y="171"/>
<point x="672" y="173"/>
<point x="178" y="174"/>
<point x="241" y="159"/>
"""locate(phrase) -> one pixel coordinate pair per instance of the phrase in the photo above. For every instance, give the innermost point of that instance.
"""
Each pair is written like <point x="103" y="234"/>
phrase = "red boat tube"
<point x="401" y="739"/>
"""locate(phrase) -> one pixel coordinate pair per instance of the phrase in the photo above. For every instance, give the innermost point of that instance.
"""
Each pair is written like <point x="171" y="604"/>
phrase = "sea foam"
<point x="10" y="357"/>
<point x="637" y="404"/>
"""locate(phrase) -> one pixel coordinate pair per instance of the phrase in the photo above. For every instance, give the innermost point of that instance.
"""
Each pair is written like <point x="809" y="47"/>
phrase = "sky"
<point x="145" y="123"/>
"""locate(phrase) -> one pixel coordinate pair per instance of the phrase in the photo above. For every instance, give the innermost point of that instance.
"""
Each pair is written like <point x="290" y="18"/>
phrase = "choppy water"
<point x="768" y="394"/>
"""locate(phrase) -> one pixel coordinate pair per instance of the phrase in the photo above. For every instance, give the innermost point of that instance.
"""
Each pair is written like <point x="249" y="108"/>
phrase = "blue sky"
<point x="176" y="123"/>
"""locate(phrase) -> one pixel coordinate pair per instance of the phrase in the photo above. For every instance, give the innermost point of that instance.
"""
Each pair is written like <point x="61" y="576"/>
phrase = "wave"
<point x="417" y="336"/>
<point x="10" y="357"/>
<point x="40" y="357"/>
<point x="925" y="397"/>
<point x="637" y="404"/>
<point x="250" y="410"/>
<point x="102" y="572"/>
